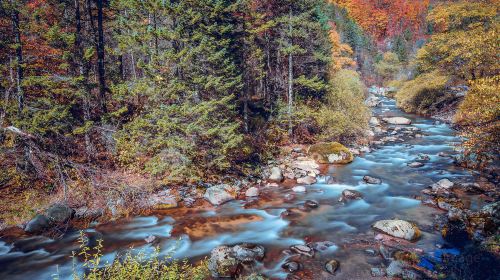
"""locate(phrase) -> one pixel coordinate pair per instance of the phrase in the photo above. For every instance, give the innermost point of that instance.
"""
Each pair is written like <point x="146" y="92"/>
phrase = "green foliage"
<point x="134" y="265"/>
<point x="420" y="94"/>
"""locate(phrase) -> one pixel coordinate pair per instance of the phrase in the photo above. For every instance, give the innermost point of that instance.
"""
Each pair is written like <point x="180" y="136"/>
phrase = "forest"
<point x="116" y="109"/>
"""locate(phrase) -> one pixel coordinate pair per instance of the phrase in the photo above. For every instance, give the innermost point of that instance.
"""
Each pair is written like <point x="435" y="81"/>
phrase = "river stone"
<point x="38" y="224"/>
<point x="333" y="153"/>
<point x="308" y="180"/>
<point x="306" y="165"/>
<point x="415" y="164"/>
<point x="331" y="266"/>
<point x="219" y="194"/>
<point x="150" y="239"/>
<point x="291" y="266"/>
<point x="302" y="250"/>
<point x="398" y="228"/>
<point x="378" y="272"/>
<point x="372" y="101"/>
<point x="247" y="252"/>
<point x="253" y="191"/>
<point x="299" y="189"/>
<point x="372" y="180"/>
<point x="59" y="213"/>
<point x="276" y="174"/>
<point x="443" y="184"/>
<point x="350" y="195"/>
<point x="374" y="121"/>
<point x="163" y="200"/>
<point x="222" y="262"/>
<point x="397" y="120"/>
<point x="311" y="204"/>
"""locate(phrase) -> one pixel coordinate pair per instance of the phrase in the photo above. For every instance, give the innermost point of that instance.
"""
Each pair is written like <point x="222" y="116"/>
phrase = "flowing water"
<point x="185" y="233"/>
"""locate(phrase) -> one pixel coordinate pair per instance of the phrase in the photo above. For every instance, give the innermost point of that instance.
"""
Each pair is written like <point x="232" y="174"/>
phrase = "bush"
<point x="422" y="93"/>
<point x="342" y="115"/>
<point x="388" y="66"/>
<point x="137" y="266"/>
<point x="479" y="116"/>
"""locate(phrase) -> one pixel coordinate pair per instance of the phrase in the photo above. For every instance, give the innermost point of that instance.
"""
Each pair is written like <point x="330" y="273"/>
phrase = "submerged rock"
<point x="415" y="164"/>
<point x="397" y="120"/>
<point x="291" y="266"/>
<point x="302" y="250"/>
<point x="372" y="180"/>
<point x="398" y="228"/>
<point x="350" y="195"/>
<point x="333" y="153"/>
<point x="331" y="266"/>
<point x="219" y="194"/>
<point x="299" y="189"/>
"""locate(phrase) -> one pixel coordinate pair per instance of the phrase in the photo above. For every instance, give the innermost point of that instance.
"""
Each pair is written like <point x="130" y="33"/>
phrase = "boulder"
<point x="311" y="204"/>
<point x="38" y="224"/>
<point x="442" y="185"/>
<point x="398" y="228"/>
<point x="372" y="101"/>
<point x="372" y="180"/>
<point x="302" y="250"/>
<point x="415" y="164"/>
<point x="306" y="165"/>
<point x="374" y="121"/>
<point x="299" y="189"/>
<point x="276" y="174"/>
<point x="59" y="213"/>
<point x="291" y="266"/>
<point x="308" y="180"/>
<point x="350" y="195"/>
<point x="222" y="262"/>
<point x="247" y="252"/>
<point x="333" y="153"/>
<point x="253" y="191"/>
<point x="331" y="266"/>
<point x="220" y="194"/>
<point x="397" y="120"/>
<point x="162" y="200"/>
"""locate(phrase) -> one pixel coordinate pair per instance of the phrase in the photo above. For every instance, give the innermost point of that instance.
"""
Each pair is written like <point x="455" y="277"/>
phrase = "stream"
<point x="193" y="233"/>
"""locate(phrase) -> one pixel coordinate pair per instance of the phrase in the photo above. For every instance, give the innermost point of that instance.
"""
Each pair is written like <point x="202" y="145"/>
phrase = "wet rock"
<point x="397" y="121"/>
<point x="331" y="266"/>
<point x="350" y="195"/>
<point x="251" y="192"/>
<point x="299" y="189"/>
<point x="321" y="245"/>
<point x="308" y="180"/>
<point x="378" y="272"/>
<point x="289" y="197"/>
<point x="423" y="157"/>
<point x="333" y="153"/>
<point x="150" y="239"/>
<point x="272" y="185"/>
<point x="276" y="174"/>
<point x="456" y="214"/>
<point x="306" y="165"/>
<point x="291" y="266"/>
<point x="222" y="262"/>
<point x="398" y="228"/>
<point x="398" y="269"/>
<point x="385" y="252"/>
<point x="442" y="185"/>
<point x="370" y="252"/>
<point x="162" y="200"/>
<point x="302" y="250"/>
<point x="189" y="201"/>
<point x="372" y="180"/>
<point x="248" y="252"/>
<point x="84" y="213"/>
<point x="443" y="154"/>
<point x="38" y="224"/>
<point x="415" y="164"/>
<point x="220" y="194"/>
<point x="311" y="204"/>
<point x="374" y="121"/>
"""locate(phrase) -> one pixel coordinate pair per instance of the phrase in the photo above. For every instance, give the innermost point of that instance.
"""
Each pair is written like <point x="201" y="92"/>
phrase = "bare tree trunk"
<point x="83" y="71"/>
<point x="100" y="56"/>
<point x="19" y="59"/>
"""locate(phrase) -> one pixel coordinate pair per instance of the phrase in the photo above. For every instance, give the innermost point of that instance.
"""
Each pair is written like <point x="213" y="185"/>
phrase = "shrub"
<point x="388" y="66"/>
<point x="422" y="93"/>
<point x="139" y="266"/>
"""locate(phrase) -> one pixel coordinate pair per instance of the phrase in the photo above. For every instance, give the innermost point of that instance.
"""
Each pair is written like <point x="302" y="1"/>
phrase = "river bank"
<point x="385" y="181"/>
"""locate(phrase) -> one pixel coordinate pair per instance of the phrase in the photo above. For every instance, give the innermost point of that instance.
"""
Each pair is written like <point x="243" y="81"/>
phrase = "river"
<point x="190" y="233"/>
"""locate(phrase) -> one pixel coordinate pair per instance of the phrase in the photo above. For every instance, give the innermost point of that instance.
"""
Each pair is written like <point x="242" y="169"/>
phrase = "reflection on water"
<point x="192" y="234"/>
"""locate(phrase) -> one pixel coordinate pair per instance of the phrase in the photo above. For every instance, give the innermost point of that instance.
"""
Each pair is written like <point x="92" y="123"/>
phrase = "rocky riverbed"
<point x="395" y="207"/>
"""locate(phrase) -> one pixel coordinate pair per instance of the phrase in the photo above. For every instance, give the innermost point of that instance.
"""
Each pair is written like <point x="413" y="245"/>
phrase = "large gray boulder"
<point x="225" y="261"/>
<point x="38" y="224"/>
<point x="397" y="120"/>
<point x="220" y="194"/>
<point x="59" y="213"/>
<point x="398" y="228"/>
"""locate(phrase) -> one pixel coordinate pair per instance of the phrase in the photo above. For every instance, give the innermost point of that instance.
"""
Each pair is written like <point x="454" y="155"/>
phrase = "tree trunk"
<point x="19" y="59"/>
<point x="100" y="56"/>
<point x="290" y="79"/>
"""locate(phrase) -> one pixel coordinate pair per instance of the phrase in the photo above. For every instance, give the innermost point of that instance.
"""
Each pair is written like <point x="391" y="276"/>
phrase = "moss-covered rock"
<point x="332" y="152"/>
